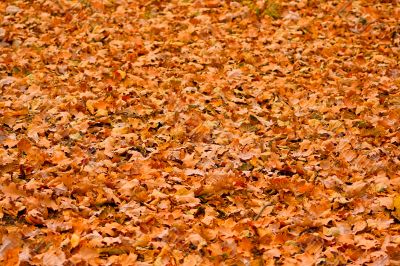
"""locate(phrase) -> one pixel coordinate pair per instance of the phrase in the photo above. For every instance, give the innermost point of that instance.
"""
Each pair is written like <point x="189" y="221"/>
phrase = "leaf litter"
<point x="199" y="132"/>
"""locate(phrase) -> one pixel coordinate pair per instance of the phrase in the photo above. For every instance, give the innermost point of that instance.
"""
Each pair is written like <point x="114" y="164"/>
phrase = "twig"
<point x="262" y="210"/>
<point x="363" y="28"/>
<point x="339" y="12"/>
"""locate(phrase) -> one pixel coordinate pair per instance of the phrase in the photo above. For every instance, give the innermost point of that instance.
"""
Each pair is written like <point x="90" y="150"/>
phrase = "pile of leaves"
<point x="199" y="132"/>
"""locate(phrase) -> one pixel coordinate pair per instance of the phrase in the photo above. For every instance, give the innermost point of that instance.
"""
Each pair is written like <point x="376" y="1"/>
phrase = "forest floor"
<point x="199" y="132"/>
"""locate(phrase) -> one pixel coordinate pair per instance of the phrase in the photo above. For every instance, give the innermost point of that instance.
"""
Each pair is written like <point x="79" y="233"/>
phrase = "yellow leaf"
<point x="90" y="107"/>
<point x="178" y="44"/>
<point x="142" y="241"/>
<point x="122" y="74"/>
<point x="159" y="261"/>
<point x="168" y="169"/>
<point x="396" y="204"/>
<point x="120" y="130"/>
<point x="75" y="240"/>
<point x="182" y="192"/>
<point x="102" y="112"/>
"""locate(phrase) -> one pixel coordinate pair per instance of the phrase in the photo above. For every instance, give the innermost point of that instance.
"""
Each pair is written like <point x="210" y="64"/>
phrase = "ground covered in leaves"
<point x="199" y="132"/>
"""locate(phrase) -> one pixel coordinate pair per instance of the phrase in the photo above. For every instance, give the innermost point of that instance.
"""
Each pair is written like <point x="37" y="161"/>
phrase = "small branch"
<point x="262" y="210"/>
<point x="348" y="3"/>
<point x="363" y="28"/>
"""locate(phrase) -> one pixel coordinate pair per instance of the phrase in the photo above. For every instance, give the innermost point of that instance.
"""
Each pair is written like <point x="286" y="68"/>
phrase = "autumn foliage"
<point x="199" y="132"/>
